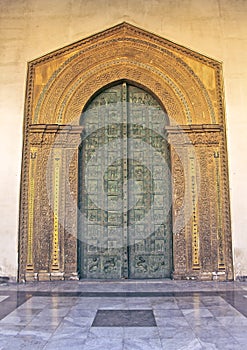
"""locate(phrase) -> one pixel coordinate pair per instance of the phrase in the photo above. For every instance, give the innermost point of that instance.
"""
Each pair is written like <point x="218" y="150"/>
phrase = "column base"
<point x="57" y="276"/>
<point x="71" y="276"/>
<point x="43" y="276"/>
<point x="31" y="276"/>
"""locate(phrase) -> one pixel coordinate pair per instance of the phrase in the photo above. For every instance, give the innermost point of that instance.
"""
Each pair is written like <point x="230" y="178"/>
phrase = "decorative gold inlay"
<point x="195" y="234"/>
<point x="31" y="195"/>
<point x="56" y="181"/>
<point x="221" y="255"/>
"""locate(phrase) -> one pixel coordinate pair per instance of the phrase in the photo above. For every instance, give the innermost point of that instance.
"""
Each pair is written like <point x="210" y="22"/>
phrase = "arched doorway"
<point x="124" y="187"/>
<point x="59" y="86"/>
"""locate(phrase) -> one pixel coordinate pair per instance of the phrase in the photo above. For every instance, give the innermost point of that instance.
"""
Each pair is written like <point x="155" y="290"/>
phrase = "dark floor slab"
<point x="124" y="318"/>
<point x="237" y="300"/>
<point x="11" y="303"/>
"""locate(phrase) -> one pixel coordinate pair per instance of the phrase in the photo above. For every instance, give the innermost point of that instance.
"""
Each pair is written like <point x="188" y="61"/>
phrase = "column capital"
<point x="56" y="135"/>
<point x="194" y="134"/>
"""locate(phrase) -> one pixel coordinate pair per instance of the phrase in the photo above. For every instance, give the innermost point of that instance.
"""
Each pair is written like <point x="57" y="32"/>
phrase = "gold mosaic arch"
<point x="189" y="87"/>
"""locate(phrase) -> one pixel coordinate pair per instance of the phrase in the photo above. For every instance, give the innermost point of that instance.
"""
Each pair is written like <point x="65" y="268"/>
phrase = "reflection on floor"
<point x="128" y="315"/>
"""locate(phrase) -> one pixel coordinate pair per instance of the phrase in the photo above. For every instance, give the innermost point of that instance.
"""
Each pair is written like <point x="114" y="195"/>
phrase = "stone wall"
<point x="32" y="28"/>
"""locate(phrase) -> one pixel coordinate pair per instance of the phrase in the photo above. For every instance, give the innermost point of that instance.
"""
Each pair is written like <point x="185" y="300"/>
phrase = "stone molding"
<point x="55" y="135"/>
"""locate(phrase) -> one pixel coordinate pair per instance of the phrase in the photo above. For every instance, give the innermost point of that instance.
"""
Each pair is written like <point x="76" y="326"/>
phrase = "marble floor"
<point x="123" y="315"/>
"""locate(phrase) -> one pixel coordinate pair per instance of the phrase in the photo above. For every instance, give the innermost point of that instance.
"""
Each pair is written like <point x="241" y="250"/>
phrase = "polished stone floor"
<point x="124" y="315"/>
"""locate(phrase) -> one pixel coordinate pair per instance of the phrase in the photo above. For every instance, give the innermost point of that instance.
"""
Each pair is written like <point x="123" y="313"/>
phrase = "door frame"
<point x="190" y="88"/>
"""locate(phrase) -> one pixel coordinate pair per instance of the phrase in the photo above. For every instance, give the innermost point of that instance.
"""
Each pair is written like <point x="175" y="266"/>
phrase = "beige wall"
<point x="32" y="28"/>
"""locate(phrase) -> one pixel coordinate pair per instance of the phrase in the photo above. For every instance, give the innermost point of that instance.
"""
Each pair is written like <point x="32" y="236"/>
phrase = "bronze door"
<point x="124" y="187"/>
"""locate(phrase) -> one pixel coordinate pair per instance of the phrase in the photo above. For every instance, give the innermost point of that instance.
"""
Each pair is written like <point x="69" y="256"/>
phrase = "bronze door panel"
<point x="124" y="194"/>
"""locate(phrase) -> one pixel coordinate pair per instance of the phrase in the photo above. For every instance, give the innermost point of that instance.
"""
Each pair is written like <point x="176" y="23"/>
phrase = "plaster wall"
<point x="32" y="28"/>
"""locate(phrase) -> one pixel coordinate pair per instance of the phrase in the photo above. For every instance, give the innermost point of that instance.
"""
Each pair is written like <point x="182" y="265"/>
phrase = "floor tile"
<point x="213" y="301"/>
<point x="202" y="322"/>
<point x="65" y="331"/>
<point x="26" y="342"/>
<point x="181" y="344"/>
<point x="106" y="332"/>
<point x="43" y="332"/>
<point x="142" y="344"/>
<point x="10" y="329"/>
<point x="184" y="304"/>
<point x="200" y="312"/>
<point x="17" y="320"/>
<point x="49" y="321"/>
<point x="25" y="312"/>
<point x="214" y="335"/>
<point x="4" y="339"/>
<point x="227" y="310"/>
<point x="221" y="346"/>
<point x="124" y="318"/>
<point x="103" y="344"/>
<point x="239" y="333"/>
<point x="54" y="311"/>
<point x="81" y="313"/>
<point x="65" y="344"/>
<point x="220" y="343"/>
<point x="171" y="321"/>
<point x="231" y="321"/>
<point x="176" y="333"/>
<point x="168" y="313"/>
<point x="3" y="297"/>
<point x="163" y="304"/>
<point x="140" y="332"/>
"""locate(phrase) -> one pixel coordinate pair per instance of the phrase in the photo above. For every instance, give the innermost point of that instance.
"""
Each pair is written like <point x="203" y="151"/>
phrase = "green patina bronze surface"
<point x="124" y="195"/>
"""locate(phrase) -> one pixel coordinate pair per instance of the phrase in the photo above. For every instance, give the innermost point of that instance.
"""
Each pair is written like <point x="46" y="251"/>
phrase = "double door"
<point x="124" y="226"/>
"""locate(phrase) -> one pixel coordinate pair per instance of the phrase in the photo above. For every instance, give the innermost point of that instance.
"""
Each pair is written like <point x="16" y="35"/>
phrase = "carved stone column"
<point x="198" y="222"/>
<point x="52" y="227"/>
